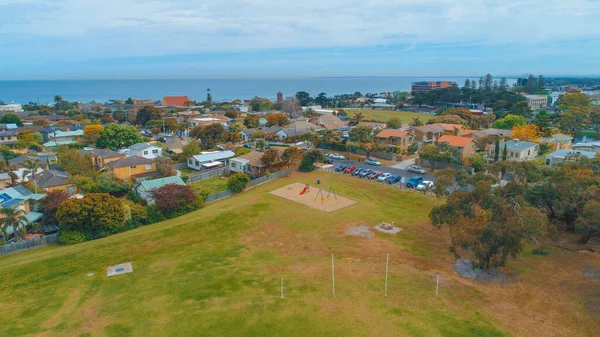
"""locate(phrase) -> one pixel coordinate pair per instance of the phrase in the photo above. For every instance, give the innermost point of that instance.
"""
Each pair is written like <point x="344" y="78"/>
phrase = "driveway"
<point x="390" y="169"/>
<point x="403" y="165"/>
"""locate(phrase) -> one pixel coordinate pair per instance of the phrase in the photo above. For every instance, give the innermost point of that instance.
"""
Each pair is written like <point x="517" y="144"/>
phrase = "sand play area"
<point x="325" y="201"/>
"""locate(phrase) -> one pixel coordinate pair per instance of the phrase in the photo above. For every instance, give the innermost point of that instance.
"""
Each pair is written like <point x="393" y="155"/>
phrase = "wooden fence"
<point x="227" y="193"/>
<point x="28" y="244"/>
<point x="207" y="174"/>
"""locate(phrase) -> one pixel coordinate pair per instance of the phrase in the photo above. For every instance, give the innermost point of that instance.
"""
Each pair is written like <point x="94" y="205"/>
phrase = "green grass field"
<point x="217" y="271"/>
<point x="384" y="115"/>
<point x="212" y="185"/>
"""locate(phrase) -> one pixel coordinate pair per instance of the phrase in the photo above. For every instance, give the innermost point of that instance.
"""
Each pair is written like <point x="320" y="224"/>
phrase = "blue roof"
<point x="11" y="202"/>
<point x="208" y="157"/>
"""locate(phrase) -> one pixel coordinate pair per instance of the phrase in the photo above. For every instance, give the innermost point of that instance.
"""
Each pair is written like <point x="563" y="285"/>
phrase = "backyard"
<point x="218" y="271"/>
<point x="210" y="186"/>
<point x="384" y="115"/>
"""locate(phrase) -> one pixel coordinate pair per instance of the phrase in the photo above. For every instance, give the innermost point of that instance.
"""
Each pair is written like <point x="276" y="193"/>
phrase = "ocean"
<point x="221" y="89"/>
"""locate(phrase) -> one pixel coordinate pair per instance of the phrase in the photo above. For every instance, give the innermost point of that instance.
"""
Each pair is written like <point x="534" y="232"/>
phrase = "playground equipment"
<point x="304" y="190"/>
<point x="387" y="226"/>
<point x="322" y="196"/>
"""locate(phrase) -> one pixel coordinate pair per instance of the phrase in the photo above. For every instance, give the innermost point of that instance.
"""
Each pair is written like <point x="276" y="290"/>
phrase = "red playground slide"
<point x="304" y="190"/>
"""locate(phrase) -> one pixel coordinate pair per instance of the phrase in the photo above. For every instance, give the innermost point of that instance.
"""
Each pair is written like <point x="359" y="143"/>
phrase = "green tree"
<point x="209" y="135"/>
<point x="146" y="114"/>
<point x="362" y="137"/>
<point x="356" y="119"/>
<point x="11" y="118"/>
<point x="95" y="215"/>
<point x="477" y="162"/>
<point x="310" y="158"/>
<point x="574" y="120"/>
<point x="115" y="136"/>
<point x="189" y="150"/>
<point x="237" y="127"/>
<point x="13" y="217"/>
<point x="588" y="224"/>
<point x="416" y="121"/>
<point x="497" y="151"/>
<point x="106" y="182"/>
<point x="509" y="122"/>
<point x="394" y="123"/>
<point x="521" y="109"/>
<point x="277" y="119"/>
<point x="238" y="182"/>
<point x="303" y="97"/>
<point x="435" y="154"/>
<point x="251" y="121"/>
<point x="292" y="156"/>
<point x="242" y="151"/>
<point x="542" y="120"/>
<point x="32" y="167"/>
<point x="576" y="99"/>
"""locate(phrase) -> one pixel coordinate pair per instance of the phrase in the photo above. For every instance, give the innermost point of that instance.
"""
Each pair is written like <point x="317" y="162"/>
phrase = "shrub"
<point x="541" y="250"/>
<point x="95" y="215"/>
<point x="238" y="182"/>
<point x="413" y="148"/>
<point x="69" y="237"/>
<point x="172" y="197"/>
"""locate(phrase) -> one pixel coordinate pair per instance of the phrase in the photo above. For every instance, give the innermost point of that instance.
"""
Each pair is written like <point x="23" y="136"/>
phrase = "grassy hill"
<point x="384" y="115"/>
<point x="217" y="271"/>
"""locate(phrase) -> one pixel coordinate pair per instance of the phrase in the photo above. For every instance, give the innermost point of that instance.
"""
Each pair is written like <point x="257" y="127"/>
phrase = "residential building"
<point x="101" y="157"/>
<point x="248" y="133"/>
<point x="19" y="170"/>
<point x="516" y="150"/>
<point x="8" y="127"/>
<point x="205" y="121"/>
<point x="425" y="86"/>
<point x="454" y="129"/>
<point x="8" y="138"/>
<point x="12" y="108"/>
<point x="466" y="145"/>
<point x="58" y="138"/>
<point x="46" y="132"/>
<point x="587" y="146"/>
<point x="536" y="102"/>
<point x="175" y="101"/>
<point x="146" y="150"/>
<point x="5" y="180"/>
<point x="428" y="133"/>
<point x="138" y="168"/>
<point x="136" y="101"/>
<point x="559" y="156"/>
<point x="51" y="180"/>
<point x="373" y="125"/>
<point x="501" y="133"/>
<point x="249" y="163"/>
<point x="22" y="199"/>
<point x="144" y="188"/>
<point x="558" y="141"/>
<point x="393" y="137"/>
<point x="330" y="122"/>
<point x="209" y="159"/>
<point x="292" y="133"/>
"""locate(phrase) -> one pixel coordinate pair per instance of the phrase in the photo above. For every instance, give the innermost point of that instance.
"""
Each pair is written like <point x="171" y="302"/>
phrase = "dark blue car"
<point x="414" y="182"/>
<point x="393" y="180"/>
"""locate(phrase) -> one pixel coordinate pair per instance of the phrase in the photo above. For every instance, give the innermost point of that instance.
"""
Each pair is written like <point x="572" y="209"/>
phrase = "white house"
<point x="148" y="151"/>
<point x="210" y="159"/>
<point x="144" y="187"/>
<point x="562" y="155"/>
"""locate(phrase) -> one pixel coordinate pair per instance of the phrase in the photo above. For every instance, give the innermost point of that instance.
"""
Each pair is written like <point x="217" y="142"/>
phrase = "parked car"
<point x="358" y="171"/>
<point x="414" y="182"/>
<point x="425" y="185"/>
<point x="328" y="161"/>
<point x="248" y="146"/>
<point x="393" y="180"/>
<point x="374" y="175"/>
<point x="336" y="156"/>
<point x="365" y="173"/>
<point x="341" y="167"/>
<point x="416" y="169"/>
<point x="325" y="153"/>
<point x="383" y="177"/>
<point x="371" y="161"/>
<point x="350" y="169"/>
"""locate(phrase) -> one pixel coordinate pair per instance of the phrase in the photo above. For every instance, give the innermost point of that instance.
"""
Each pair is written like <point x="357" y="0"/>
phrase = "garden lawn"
<point x="217" y="272"/>
<point x="212" y="185"/>
<point x="384" y="115"/>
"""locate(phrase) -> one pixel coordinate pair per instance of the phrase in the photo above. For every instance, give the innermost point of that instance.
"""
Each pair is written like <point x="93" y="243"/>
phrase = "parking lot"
<point x="394" y="171"/>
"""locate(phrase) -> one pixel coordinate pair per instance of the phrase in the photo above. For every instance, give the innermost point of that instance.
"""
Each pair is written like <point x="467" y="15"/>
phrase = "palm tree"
<point x="358" y="117"/>
<point x="57" y="99"/>
<point x="12" y="217"/>
<point x="32" y="167"/>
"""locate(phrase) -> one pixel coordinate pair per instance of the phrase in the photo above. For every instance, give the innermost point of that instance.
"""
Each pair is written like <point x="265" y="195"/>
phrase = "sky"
<point x="80" y="39"/>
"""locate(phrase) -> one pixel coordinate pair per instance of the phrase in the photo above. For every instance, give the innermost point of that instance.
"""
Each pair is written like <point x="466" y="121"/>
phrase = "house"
<point x="428" y="133"/>
<point x="394" y="137"/>
<point x="52" y="180"/>
<point x="373" y="125"/>
<point x="175" y="101"/>
<point x="16" y="165"/>
<point x="5" y="180"/>
<point x="8" y="138"/>
<point x="501" y="133"/>
<point x="330" y="122"/>
<point x="249" y="163"/>
<point x="383" y="106"/>
<point x="8" y="127"/>
<point x="248" y="133"/>
<point x="559" y="156"/>
<point x="58" y="138"/>
<point x="146" y="186"/>
<point x="211" y="159"/>
<point x="47" y="131"/>
<point x="205" y="121"/>
<point x="22" y="199"/>
<point x="135" y="167"/>
<point x="148" y="151"/>
<point x="453" y="129"/>
<point x="101" y="157"/>
<point x="558" y="141"/>
<point x="175" y="145"/>
<point x="516" y="150"/>
<point x="466" y="145"/>
<point x="292" y="133"/>
<point x="588" y="146"/>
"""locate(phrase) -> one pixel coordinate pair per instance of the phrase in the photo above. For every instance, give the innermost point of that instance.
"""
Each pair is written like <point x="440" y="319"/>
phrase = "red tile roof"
<point x="451" y="127"/>
<point x="174" y="100"/>
<point x="455" y="141"/>
<point x="387" y="133"/>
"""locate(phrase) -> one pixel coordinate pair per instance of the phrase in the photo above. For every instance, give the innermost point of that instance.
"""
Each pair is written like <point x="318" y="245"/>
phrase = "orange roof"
<point x="468" y="132"/>
<point x="450" y="126"/>
<point x="455" y="141"/>
<point x="174" y="100"/>
<point x="387" y="133"/>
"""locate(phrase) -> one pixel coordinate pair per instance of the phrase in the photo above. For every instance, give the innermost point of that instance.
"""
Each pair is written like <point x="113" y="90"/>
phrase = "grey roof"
<point x="20" y="159"/>
<point x="271" y="129"/>
<point x="52" y="178"/>
<point x="489" y="132"/>
<point x="517" y="145"/>
<point x="587" y="144"/>
<point x="129" y="161"/>
<point x="23" y="190"/>
<point x="557" y="138"/>
<point x="207" y="157"/>
<point x="140" y="146"/>
<point x="102" y="153"/>
<point x="296" y="131"/>
<point x="565" y="153"/>
<point x="8" y="133"/>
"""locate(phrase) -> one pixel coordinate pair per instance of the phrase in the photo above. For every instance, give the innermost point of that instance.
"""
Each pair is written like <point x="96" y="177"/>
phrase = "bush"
<point x="339" y="147"/>
<point x="413" y="148"/>
<point x="542" y="250"/>
<point x="237" y="182"/>
<point x="69" y="237"/>
<point x="306" y="165"/>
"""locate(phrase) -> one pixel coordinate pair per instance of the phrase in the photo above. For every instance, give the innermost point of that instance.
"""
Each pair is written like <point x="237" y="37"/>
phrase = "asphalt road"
<point x="397" y="172"/>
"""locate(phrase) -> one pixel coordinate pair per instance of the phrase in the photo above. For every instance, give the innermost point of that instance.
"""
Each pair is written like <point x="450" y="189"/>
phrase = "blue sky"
<point x="64" y="39"/>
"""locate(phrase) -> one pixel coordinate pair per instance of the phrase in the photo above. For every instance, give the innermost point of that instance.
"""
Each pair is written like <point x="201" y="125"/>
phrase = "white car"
<point x="336" y="156"/>
<point x="383" y="177"/>
<point x="425" y="185"/>
<point x="371" y="161"/>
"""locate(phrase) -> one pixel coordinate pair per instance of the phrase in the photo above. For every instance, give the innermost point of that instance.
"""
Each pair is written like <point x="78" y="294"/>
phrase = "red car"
<point x="350" y="169"/>
<point x="374" y="175"/>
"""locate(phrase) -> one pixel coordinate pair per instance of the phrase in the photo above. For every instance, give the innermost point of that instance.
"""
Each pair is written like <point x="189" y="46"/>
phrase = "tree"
<point x="237" y="127"/>
<point x="292" y="156"/>
<point x="541" y="83"/>
<point x="13" y="217"/>
<point x="505" y="153"/>
<point x="542" y="120"/>
<point x="189" y="104"/>
<point x="41" y="122"/>
<point x="164" y="166"/>
<point x="362" y="137"/>
<point x="237" y="182"/>
<point x="310" y="113"/>
<point x="146" y="114"/>
<point x="277" y="119"/>
<point x="291" y="107"/>
<point x="95" y="215"/>
<point x="173" y="198"/>
<point x="528" y="132"/>
<point x="242" y="151"/>
<point x="321" y="99"/>
<point x="116" y="136"/>
<point x="208" y="96"/>
<point x="255" y="105"/>
<point x="303" y="98"/>
<point x="310" y="158"/>
<point x="434" y="154"/>
<point x="588" y="224"/>
<point x="509" y="122"/>
<point x="574" y="120"/>
<point x="477" y="162"/>
<point x="106" y="182"/>
<point x="576" y="99"/>
<point x="270" y="157"/>
<point x="189" y="150"/>
<point x="11" y="118"/>
<point x="209" y="135"/>
<point x="492" y="227"/>
<point x="416" y="121"/>
<point x="497" y="151"/>
<point x="521" y="109"/>
<point x="50" y="204"/>
<point x="231" y="114"/>
<point x="84" y="183"/>
<point x="394" y="123"/>
<point x="31" y="167"/>
<point x="356" y="119"/>
<point x="251" y="121"/>
<point x="92" y="132"/>
<point x="234" y="137"/>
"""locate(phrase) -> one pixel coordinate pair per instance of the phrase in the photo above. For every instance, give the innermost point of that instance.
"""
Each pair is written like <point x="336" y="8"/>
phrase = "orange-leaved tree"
<point x="92" y="132"/>
<point x="528" y="132"/>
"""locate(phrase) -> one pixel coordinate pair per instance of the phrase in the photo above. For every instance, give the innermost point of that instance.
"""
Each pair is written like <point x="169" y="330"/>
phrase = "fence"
<point x="222" y="195"/>
<point x="28" y="244"/>
<point x="180" y="166"/>
<point x="204" y="175"/>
